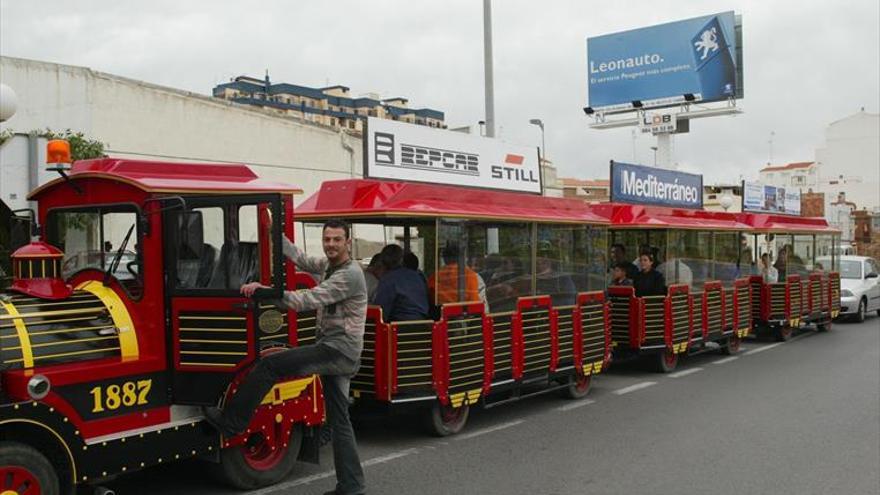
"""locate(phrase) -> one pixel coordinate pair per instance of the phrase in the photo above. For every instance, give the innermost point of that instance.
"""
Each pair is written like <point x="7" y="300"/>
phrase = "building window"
<point x="351" y="124"/>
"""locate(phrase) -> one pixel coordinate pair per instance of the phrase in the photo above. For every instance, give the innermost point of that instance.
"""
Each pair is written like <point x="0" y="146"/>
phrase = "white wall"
<point x="852" y="150"/>
<point x="15" y="170"/>
<point x="141" y="120"/>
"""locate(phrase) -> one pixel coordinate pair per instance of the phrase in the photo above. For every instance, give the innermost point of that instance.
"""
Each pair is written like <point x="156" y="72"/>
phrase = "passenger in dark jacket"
<point x="402" y="292"/>
<point x="649" y="282"/>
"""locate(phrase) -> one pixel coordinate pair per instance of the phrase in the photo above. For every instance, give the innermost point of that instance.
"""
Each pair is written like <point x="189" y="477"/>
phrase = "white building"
<point x="722" y="197"/>
<point x="141" y="120"/>
<point x="839" y="215"/>
<point x="850" y="160"/>
<point x="802" y="176"/>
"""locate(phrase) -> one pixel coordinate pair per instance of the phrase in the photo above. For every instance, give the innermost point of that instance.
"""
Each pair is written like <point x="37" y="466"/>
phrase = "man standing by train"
<point x="341" y="303"/>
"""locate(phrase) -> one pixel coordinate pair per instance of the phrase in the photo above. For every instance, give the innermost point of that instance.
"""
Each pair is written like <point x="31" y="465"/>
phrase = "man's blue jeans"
<point x="336" y="371"/>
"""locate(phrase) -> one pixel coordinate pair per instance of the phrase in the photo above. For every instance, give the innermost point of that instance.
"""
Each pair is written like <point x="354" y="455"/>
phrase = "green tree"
<point x="81" y="147"/>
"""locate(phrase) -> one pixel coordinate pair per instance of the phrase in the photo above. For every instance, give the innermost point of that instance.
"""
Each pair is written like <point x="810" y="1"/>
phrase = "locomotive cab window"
<point x="105" y="238"/>
<point x="221" y="247"/>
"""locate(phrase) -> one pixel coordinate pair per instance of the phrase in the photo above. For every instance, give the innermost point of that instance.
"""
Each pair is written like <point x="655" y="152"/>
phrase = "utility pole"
<point x="487" y="65"/>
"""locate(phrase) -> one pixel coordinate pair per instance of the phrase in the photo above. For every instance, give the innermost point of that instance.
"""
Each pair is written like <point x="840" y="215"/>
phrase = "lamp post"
<point x="540" y="124"/>
<point x="543" y="155"/>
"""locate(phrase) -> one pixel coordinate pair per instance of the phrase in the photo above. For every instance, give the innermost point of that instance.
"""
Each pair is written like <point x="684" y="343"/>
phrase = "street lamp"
<point x="542" y="157"/>
<point x="540" y="124"/>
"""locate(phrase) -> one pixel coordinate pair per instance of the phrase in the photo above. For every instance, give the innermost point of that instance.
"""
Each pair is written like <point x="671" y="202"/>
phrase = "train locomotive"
<point x="123" y="319"/>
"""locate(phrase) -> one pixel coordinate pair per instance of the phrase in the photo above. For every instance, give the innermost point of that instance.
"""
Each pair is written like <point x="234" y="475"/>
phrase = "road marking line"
<point x="762" y="349"/>
<point x="726" y="360"/>
<point x="633" y="388"/>
<point x="389" y="457"/>
<point x="679" y="374"/>
<point x="484" y="431"/>
<point x="575" y="405"/>
<point x="327" y="474"/>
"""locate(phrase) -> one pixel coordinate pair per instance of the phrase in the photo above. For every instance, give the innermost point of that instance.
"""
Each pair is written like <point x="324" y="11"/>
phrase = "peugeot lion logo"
<point x="708" y="42"/>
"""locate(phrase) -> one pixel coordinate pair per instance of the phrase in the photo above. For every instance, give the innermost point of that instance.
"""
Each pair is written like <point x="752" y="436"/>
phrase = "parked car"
<point x="859" y="286"/>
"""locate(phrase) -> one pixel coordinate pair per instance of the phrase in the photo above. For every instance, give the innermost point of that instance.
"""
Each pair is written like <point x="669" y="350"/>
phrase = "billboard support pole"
<point x="487" y="66"/>
<point x="664" y="150"/>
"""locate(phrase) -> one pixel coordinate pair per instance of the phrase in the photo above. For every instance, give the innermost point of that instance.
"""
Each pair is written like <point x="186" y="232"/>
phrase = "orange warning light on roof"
<point x="58" y="151"/>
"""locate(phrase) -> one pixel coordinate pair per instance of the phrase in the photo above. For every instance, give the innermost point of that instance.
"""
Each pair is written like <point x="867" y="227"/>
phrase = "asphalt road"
<point x="801" y="417"/>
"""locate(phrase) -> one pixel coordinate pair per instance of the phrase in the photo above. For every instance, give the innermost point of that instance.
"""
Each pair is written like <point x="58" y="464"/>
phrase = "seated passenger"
<point x="619" y="276"/>
<point x="768" y="271"/>
<point x="676" y="270"/>
<point x="618" y="256"/>
<point x="401" y="292"/>
<point x="558" y="286"/>
<point x="372" y="274"/>
<point x="649" y="282"/>
<point x="443" y="285"/>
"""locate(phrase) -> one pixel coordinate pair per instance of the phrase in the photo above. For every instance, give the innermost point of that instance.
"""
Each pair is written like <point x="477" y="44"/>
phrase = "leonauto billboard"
<point x="410" y="152"/>
<point x="658" y="65"/>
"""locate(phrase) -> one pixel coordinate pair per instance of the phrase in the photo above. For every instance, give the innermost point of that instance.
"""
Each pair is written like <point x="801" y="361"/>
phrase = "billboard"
<point x="416" y="153"/>
<point x="658" y="65"/>
<point x="761" y="198"/>
<point x="638" y="184"/>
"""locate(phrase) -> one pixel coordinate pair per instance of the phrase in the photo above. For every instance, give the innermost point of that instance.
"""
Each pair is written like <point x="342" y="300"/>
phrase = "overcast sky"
<point x="806" y="62"/>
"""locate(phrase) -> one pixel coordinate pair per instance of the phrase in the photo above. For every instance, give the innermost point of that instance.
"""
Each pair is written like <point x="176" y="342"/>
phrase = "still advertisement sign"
<point x="638" y="184"/>
<point x="761" y="198"/>
<point x="409" y="152"/>
<point x="657" y="65"/>
<point x="657" y="123"/>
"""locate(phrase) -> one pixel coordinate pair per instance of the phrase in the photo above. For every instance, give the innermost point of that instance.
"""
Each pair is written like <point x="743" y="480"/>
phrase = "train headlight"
<point x="38" y="387"/>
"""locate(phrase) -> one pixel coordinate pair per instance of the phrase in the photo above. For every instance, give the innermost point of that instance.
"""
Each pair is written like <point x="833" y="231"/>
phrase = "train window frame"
<point x="52" y="237"/>
<point x="277" y="271"/>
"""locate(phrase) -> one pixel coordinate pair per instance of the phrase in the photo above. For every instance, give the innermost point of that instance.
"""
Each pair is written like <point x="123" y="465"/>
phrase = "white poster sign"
<point x="761" y="198"/>
<point x="409" y="152"/>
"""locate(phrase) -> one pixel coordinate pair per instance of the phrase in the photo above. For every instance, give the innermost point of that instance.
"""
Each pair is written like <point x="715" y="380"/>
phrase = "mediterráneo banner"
<point x="638" y="184"/>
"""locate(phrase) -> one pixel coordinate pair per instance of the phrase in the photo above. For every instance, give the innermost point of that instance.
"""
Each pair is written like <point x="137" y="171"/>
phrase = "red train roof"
<point x="640" y="216"/>
<point x="382" y="199"/>
<point x="168" y="177"/>
<point x="767" y="222"/>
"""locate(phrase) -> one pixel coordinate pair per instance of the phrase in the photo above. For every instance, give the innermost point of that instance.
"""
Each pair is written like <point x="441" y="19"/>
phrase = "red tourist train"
<point x="124" y="316"/>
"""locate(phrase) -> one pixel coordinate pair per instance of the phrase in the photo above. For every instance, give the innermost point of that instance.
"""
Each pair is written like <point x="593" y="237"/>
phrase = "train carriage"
<point x="708" y="301"/>
<point x="805" y="291"/>
<point x="535" y="319"/>
<point x="124" y="317"/>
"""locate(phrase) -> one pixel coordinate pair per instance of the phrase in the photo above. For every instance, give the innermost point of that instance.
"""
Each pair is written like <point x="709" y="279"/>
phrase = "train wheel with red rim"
<point x="667" y="361"/>
<point x="578" y="387"/>
<point x="445" y="420"/>
<point x="783" y="333"/>
<point x="732" y="345"/>
<point x="25" y="471"/>
<point x="263" y="460"/>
